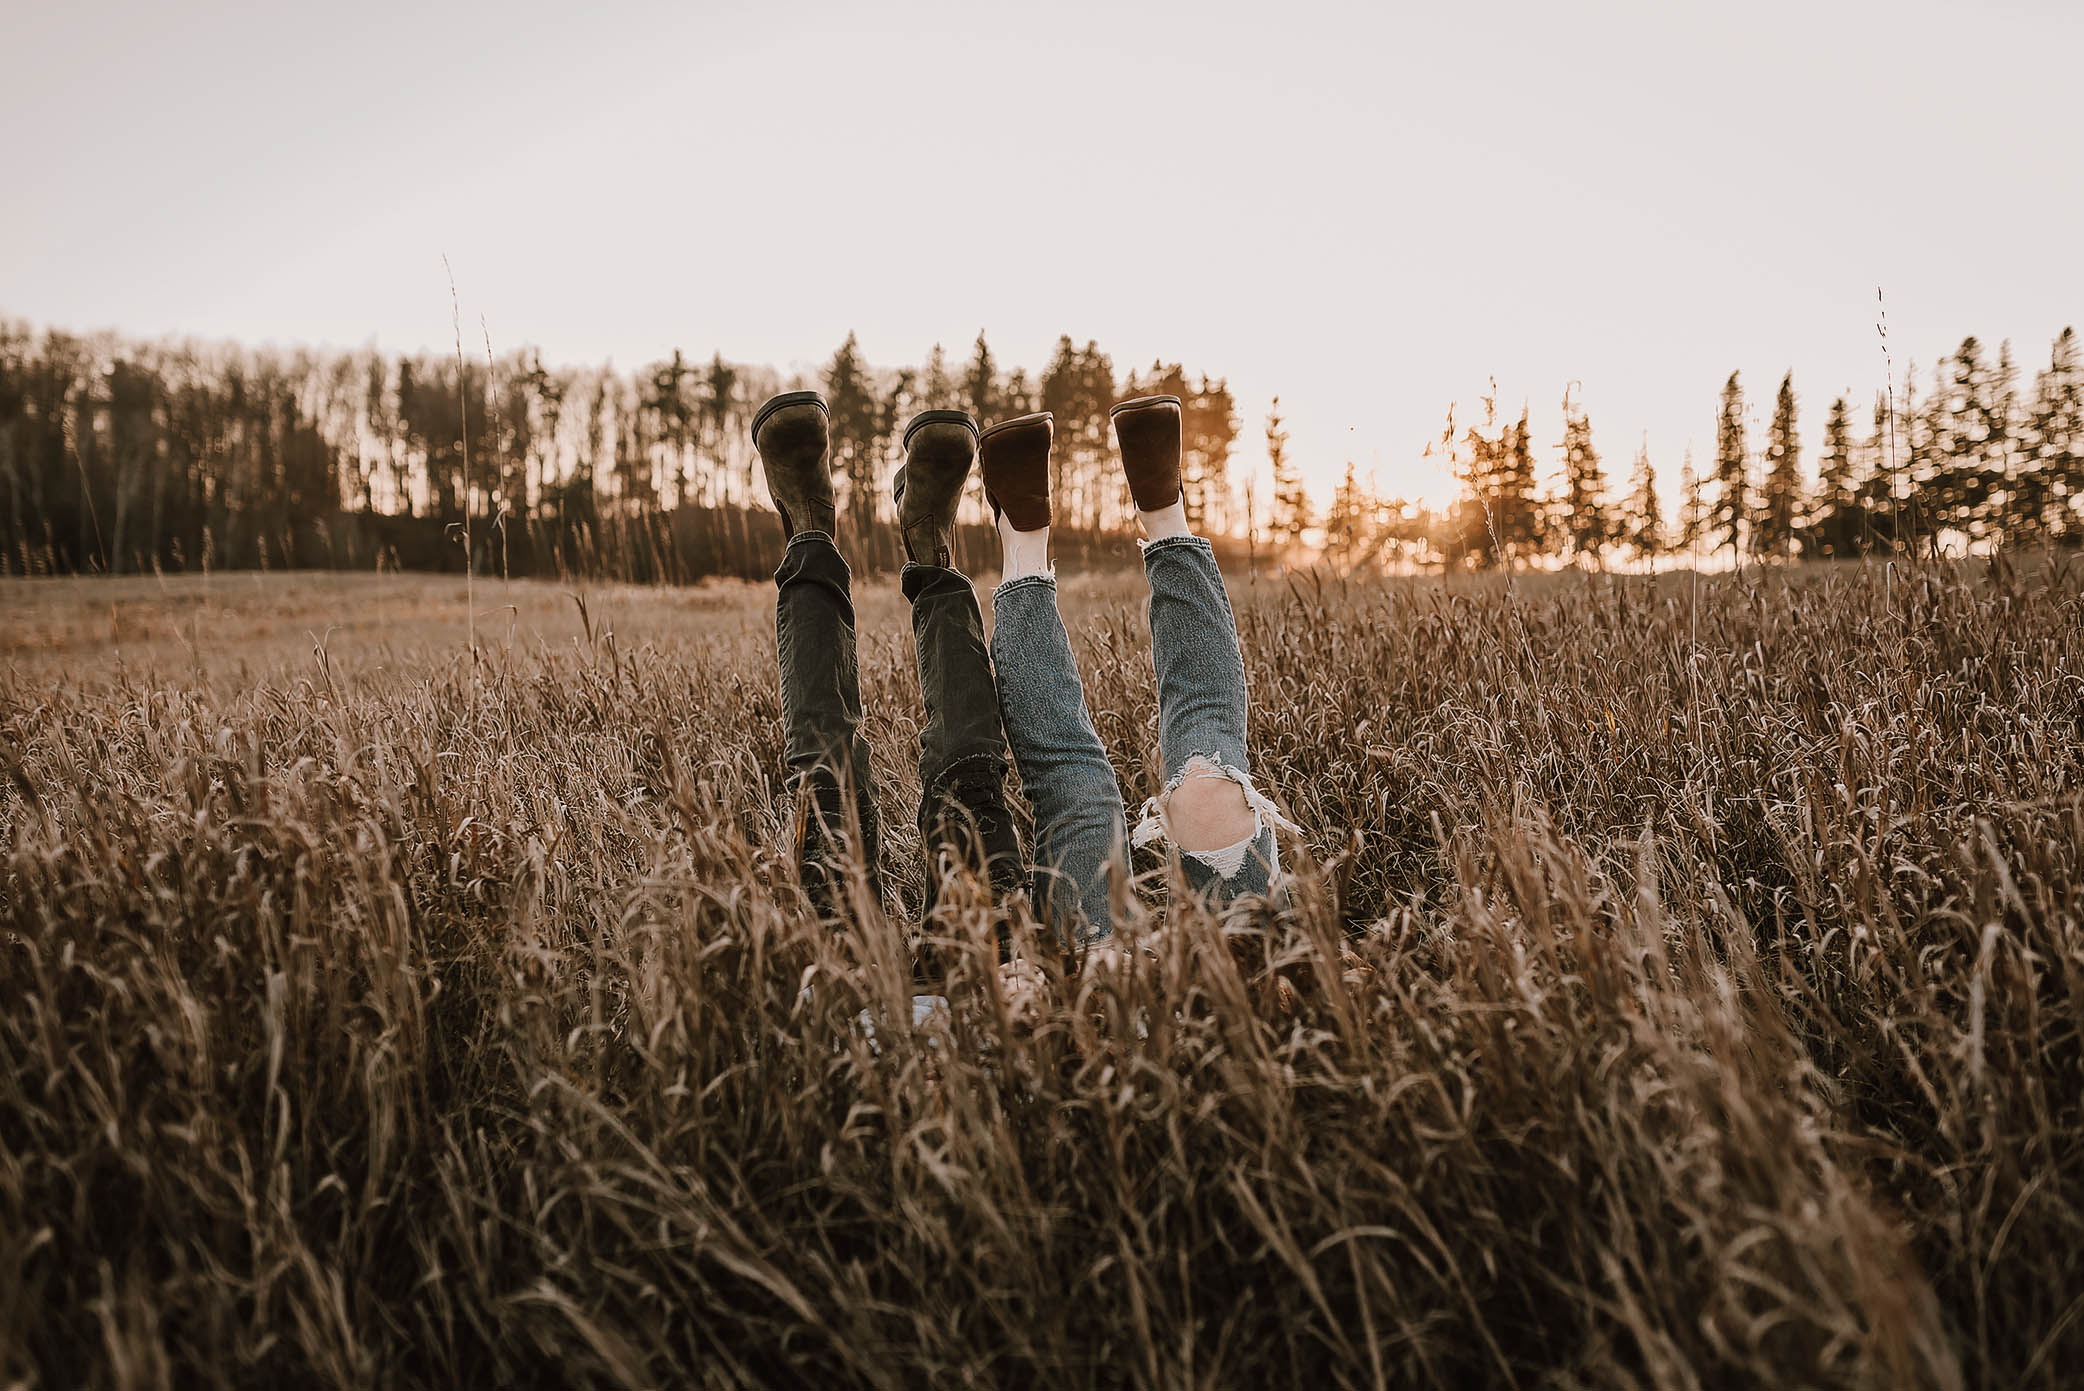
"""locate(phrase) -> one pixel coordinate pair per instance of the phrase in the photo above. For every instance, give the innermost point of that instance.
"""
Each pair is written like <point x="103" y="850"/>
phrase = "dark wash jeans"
<point x="963" y="817"/>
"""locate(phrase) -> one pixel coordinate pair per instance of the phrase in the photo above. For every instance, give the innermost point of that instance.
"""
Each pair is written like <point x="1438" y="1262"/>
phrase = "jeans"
<point x="1079" y="821"/>
<point x="963" y="817"/>
<point x="1079" y="828"/>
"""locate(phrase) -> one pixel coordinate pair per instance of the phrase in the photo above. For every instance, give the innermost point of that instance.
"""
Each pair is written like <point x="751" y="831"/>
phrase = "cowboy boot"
<point x="1148" y="431"/>
<point x="939" y="447"/>
<point x="1015" y="456"/>
<point x="791" y="431"/>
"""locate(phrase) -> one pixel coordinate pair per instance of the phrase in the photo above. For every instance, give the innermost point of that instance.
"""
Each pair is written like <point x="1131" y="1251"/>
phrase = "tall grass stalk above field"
<point x="1691" y="994"/>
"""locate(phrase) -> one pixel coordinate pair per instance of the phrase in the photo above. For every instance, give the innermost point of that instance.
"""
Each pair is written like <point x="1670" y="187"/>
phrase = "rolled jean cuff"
<point x="913" y="578"/>
<point x="1022" y="582"/>
<point x="811" y="541"/>
<point x="1165" y="543"/>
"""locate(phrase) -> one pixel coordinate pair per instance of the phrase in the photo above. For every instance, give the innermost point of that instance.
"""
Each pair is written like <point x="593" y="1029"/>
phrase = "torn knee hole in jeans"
<point x="1226" y="860"/>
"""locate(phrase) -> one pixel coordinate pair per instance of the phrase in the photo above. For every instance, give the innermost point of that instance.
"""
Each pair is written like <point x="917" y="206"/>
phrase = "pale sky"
<point x="1370" y="210"/>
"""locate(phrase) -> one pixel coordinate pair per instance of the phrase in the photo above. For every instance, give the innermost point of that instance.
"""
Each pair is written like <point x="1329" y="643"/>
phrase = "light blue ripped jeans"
<point x="1080" y="829"/>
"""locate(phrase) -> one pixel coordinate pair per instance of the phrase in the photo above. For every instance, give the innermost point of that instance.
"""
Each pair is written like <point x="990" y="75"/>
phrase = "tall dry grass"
<point x="1682" y="989"/>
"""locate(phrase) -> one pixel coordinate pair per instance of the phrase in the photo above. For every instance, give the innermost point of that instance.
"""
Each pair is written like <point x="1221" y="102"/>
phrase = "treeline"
<point x="1979" y="461"/>
<point x="118" y="456"/>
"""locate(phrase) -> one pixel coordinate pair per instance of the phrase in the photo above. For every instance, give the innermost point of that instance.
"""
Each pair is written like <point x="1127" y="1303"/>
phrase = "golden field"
<point x="1684" y="986"/>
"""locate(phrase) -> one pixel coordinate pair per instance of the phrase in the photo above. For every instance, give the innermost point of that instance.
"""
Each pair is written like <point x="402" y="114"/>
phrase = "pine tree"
<point x="383" y="423"/>
<point x="1693" y="512"/>
<point x="1291" y="504"/>
<point x="857" y="429"/>
<point x="1519" y="511"/>
<point x="1831" y="527"/>
<point x="719" y="410"/>
<point x="1835" y="464"/>
<point x="1016" y="394"/>
<point x="1731" y="509"/>
<point x="1107" y="501"/>
<point x="1077" y="389"/>
<point x="1875" y="517"/>
<point x="545" y="391"/>
<point x="1879" y="454"/>
<point x="2002" y="448"/>
<point x="1588" y="524"/>
<point x="1781" y="506"/>
<point x="1397" y="529"/>
<point x="980" y="383"/>
<point x="1500" y="521"/>
<point x="674" y="417"/>
<point x="1471" y="534"/>
<point x="1645" y="515"/>
<point x="1346" y="524"/>
<point x="2055" y="442"/>
<point x="1910" y="452"/>
<point x="1060" y="397"/>
<point x="1953" y="475"/>
<point x="636" y="491"/>
<point x="936" y="388"/>
<point x="1208" y="424"/>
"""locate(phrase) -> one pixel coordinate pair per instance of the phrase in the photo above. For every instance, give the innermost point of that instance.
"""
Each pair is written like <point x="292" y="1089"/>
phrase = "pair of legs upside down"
<point x="1021" y="693"/>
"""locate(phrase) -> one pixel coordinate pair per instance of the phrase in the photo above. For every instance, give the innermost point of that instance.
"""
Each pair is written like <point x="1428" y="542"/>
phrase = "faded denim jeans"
<point x="1080" y="828"/>
<point x="963" y="816"/>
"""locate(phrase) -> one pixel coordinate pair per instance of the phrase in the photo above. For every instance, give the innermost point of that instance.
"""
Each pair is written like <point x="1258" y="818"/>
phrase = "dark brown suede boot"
<point x="1016" y="469"/>
<point x="791" y="432"/>
<point x="939" y="448"/>
<point x="1147" y="430"/>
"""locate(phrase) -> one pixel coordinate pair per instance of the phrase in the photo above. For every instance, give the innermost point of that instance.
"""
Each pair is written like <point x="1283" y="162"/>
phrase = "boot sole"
<point x="903" y="474"/>
<point x="783" y="402"/>
<point x="936" y="417"/>
<point x="1139" y="403"/>
<point x="1018" y="422"/>
<point x="1032" y="418"/>
<point x="1137" y="406"/>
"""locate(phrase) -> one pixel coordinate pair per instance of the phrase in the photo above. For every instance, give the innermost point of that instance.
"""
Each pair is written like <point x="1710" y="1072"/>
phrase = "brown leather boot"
<point x="792" y="431"/>
<point x="1147" y="430"/>
<point x="939" y="448"/>
<point x="1016" y="469"/>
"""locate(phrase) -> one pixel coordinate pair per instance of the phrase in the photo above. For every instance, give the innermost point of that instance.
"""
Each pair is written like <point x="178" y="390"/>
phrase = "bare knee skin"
<point x="1208" y="811"/>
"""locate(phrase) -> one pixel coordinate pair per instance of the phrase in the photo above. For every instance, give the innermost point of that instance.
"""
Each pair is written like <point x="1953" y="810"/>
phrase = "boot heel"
<point x="1031" y="418"/>
<point x="1137" y="403"/>
<point x="783" y="402"/>
<point x="936" y="417"/>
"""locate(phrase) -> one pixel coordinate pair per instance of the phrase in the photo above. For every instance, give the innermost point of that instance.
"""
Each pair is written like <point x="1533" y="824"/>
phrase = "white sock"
<point x="1026" y="552"/>
<point x="1166" y="521"/>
